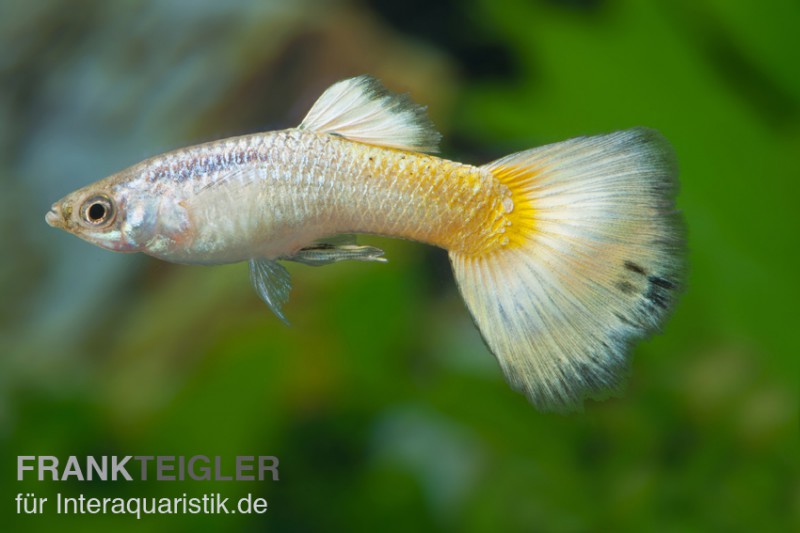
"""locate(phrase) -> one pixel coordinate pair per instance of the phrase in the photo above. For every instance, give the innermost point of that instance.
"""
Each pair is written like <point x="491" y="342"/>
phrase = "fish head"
<point x="107" y="214"/>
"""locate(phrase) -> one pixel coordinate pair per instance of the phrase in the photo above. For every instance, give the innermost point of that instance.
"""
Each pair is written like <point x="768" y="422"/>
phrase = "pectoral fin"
<point x="335" y="249"/>
<point x="272" y="283"/>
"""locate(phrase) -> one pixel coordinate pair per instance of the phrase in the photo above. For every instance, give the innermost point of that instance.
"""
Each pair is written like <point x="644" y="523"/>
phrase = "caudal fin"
<point x="593" y="263"/>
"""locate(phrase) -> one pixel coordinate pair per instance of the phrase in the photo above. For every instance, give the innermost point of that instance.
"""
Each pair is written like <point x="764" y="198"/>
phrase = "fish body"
<point x="564" y="254"/>
<point x="268" y="195"/>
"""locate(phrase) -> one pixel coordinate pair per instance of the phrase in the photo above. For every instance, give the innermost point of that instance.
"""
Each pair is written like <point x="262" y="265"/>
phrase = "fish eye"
<point x="97" y="211"/>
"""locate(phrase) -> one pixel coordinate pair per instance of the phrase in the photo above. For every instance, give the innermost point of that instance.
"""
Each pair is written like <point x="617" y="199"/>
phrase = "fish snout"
<point x="54" y="217"/>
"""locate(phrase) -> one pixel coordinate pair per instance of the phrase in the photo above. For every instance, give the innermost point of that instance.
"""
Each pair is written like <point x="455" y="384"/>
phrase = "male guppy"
<point x="564" y="254"/>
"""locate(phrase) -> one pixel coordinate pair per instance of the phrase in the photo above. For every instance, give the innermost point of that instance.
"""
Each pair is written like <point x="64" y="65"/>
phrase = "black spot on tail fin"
<point x="633" y="267"/>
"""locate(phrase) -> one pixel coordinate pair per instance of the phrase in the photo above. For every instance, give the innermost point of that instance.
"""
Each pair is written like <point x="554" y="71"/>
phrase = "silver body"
<point x="267" y="195"/>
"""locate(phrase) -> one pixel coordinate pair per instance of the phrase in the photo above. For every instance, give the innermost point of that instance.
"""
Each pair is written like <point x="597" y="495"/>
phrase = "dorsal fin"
<point x="363" y="110"/>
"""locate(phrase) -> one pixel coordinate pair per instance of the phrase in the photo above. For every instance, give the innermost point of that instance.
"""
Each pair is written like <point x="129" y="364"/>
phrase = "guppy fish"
<point x="564" y="254"/>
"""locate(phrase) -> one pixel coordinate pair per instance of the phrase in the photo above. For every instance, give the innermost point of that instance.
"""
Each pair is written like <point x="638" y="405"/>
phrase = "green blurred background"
<point x="384" y="407"/>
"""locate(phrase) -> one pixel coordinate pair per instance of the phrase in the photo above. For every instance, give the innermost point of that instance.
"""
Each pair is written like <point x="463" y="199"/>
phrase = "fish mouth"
<point x="53" y="218"/>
